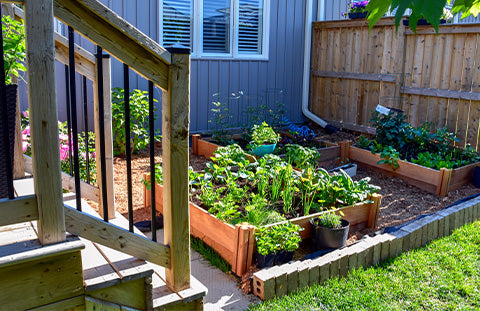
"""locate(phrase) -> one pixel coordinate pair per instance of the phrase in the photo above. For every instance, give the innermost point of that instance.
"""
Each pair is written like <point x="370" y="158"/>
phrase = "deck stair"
<point x="110" y="278"/>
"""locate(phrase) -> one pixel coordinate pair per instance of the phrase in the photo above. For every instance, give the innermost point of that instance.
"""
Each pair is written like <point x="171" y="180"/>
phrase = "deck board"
<point x="102" y="266"/>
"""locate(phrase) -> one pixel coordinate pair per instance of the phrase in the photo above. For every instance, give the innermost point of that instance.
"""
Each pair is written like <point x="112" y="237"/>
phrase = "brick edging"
<point x="280" y="280"/>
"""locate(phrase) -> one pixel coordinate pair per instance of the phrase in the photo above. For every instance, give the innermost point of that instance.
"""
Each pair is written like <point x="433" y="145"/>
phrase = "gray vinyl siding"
<point x="263" y="82"/>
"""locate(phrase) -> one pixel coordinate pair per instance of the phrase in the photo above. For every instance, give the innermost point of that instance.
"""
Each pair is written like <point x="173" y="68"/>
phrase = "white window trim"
<point x="197" y="52"/>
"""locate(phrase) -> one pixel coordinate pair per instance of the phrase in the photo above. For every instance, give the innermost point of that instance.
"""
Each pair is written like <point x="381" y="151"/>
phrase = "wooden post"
<point x="18" y="169"/>
<point x="175" y="127"/>
<point x="195" y="139"/>
<point x="107" y="117"/>
<point x="373" y="216"/>
<point x="42" y="98"/>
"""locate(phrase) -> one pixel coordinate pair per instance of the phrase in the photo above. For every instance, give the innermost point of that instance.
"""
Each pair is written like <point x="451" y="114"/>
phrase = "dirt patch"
<point x="402" y="202"/>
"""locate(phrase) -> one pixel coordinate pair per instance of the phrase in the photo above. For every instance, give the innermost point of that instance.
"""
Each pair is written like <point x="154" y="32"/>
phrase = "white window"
<point x="217" y="28"/>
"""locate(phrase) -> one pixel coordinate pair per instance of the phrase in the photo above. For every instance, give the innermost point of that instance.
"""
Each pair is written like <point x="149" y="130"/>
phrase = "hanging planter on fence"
<point x="422" y="22"/>
<point x="357" y="15"/>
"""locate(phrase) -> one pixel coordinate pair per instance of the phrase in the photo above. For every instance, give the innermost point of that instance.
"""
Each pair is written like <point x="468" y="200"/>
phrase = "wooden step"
<point x="33" y="275"/>
<point x="110" y="276"/>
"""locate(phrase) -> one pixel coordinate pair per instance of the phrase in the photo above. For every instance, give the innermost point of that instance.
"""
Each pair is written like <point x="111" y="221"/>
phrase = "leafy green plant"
<point x="13" y="33"/>
<point x="138" y="120"/>
<point x="364" y="143"/>
<point x="328" y="220"/>
<point x="390" y="157"/>
<point x="289" y="188"/>
<point x="284" y="236"/>
<point x="392" y="129"/>
<point x="301" y="157"/>
<point x="309" y="185"/>
<point x="259" y="213"/>
<point x="263" y="134"/>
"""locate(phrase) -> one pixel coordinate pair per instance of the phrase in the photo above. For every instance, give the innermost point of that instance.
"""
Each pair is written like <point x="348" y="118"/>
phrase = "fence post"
<point x="107" y="117"/>
<point x="175" y="127"/>
<point x="42" y="98"/>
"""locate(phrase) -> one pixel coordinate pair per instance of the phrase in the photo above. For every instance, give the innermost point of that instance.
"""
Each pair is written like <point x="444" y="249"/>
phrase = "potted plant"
<point x="357" y="10"/>
<point x="264" y="139"/>
<point x="289" y="243"/>
<point x="329" y="231"/>
<point x="267" y="246"/>
<point x="276" y="244"/>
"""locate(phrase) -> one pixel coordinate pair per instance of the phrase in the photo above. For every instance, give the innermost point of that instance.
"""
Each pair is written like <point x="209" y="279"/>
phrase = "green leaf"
<point x="376" y="10"/>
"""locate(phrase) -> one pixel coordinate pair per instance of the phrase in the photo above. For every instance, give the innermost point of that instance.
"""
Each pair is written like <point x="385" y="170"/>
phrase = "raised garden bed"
<point x="332" y="153"/>
<point x="438" y="182"/>
<point x="236" y="244"/>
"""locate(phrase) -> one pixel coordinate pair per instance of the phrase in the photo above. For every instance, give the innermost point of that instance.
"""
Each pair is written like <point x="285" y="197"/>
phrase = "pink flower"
<point x="63" y="152"/>
<point x="63" y="137"/>
<point x="25" y="145"/>
<point x="24" y="137"/>
<point x="25" y="114"/>
<point x="26" y="131"/>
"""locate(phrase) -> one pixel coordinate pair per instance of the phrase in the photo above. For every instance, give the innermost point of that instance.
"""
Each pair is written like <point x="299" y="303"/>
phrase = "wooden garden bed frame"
<point x="333" y="153"/>
<point x="236" y="244"/>
<point x="439" y="182"/>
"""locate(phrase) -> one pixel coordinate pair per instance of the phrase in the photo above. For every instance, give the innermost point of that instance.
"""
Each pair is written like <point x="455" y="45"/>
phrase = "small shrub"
<point x="138" y="120"/>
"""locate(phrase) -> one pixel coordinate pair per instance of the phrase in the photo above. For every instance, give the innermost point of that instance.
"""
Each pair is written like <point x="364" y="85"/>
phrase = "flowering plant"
<point x="447" y="15"/>
<point x="65" y="148"/>
<point x="356" y="7"/>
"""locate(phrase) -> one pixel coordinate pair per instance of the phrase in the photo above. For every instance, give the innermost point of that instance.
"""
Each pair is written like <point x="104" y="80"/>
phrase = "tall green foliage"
<point x="13" y="33"/>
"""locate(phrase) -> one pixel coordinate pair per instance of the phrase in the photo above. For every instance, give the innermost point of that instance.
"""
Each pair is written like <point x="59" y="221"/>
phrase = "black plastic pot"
<point x="476" y="177"/>
<point x="265" y="261"/>
<point x="422" y="22"/>
<point x="283" y="257"/>
<point x="357" y="15"/>
<point x="11" y="104"/>
<point x="328" y="238"/>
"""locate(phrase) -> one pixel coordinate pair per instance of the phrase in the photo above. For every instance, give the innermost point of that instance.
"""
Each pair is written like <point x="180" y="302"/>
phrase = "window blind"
<point x="250" y="26"/>
<point x="177" y="22"/>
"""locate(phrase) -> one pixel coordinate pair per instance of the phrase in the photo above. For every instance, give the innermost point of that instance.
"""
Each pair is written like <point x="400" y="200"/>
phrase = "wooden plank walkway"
<point x="102" y="266"/>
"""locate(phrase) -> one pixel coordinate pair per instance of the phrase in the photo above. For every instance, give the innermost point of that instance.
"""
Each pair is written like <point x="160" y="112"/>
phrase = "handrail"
<point x="126" y="43"/>
<point x="84" y="60"/>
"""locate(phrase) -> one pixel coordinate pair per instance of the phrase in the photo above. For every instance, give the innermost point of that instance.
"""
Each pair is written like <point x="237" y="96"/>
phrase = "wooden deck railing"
<point x="169" y="70"/>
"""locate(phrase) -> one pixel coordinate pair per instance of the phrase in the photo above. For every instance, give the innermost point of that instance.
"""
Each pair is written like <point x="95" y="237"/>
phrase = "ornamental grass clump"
<point x="329" y="220"/>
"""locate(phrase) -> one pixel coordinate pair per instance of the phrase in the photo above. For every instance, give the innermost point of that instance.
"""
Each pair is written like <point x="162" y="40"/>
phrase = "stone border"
<point x="280" y="280"/>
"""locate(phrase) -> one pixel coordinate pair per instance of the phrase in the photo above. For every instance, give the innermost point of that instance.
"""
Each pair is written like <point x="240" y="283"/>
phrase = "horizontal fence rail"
<point x="432" y="78"/>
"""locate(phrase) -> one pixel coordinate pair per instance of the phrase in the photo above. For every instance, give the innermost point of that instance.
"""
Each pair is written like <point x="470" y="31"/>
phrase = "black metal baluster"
<point x="69" y="119"/>
<point x="85" y="119"/>
<point x="101" y="121"/>
<point x="6" y="135"/>
<point x="73" y="102"/>
<point x="128" y="149"/>
<point x="151" y="121"/>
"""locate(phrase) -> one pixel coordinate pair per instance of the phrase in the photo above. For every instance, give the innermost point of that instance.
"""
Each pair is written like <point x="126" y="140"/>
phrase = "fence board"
<point x="434" y="78"/>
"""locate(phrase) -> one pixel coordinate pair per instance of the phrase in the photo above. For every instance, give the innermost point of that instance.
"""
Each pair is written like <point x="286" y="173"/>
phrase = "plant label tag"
<point x="382" y="110"/>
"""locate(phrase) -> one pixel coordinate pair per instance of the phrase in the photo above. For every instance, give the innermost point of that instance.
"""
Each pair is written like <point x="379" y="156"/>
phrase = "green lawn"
<point x="444" y="275"/>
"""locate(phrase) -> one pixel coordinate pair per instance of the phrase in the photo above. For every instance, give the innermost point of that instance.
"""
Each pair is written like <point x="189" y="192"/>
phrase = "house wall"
<point x="275" y="83"/>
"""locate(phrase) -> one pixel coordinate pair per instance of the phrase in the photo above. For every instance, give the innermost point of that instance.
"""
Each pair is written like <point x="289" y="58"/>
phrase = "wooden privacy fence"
<point x="431" y="77"/>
